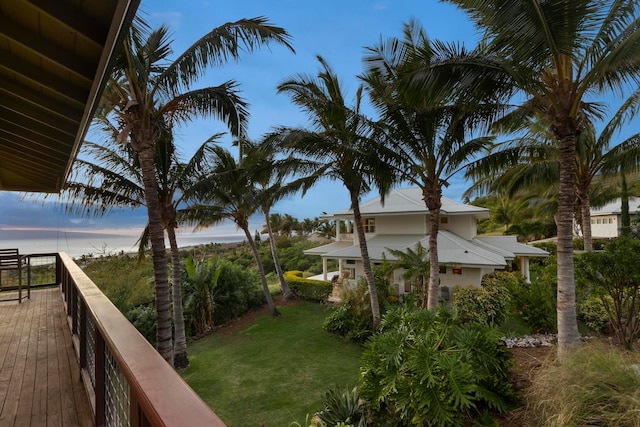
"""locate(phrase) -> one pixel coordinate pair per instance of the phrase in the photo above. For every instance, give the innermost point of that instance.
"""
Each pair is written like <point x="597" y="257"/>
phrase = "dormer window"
<point x="444" y="220"/>
<point x="370" y="225"/>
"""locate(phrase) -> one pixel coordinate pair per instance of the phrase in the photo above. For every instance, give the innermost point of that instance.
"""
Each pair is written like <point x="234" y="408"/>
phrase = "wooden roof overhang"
<point x="54" y="61"/>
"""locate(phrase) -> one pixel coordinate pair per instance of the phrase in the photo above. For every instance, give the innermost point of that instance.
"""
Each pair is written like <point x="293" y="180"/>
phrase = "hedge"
<point x="308" y="289"/>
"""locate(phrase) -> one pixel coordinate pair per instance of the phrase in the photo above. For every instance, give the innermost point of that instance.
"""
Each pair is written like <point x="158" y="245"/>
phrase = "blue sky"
<point x="337" y="30"/>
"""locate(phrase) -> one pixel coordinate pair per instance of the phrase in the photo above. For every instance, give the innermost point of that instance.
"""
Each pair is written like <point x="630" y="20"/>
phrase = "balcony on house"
<point x="68" y="357"/>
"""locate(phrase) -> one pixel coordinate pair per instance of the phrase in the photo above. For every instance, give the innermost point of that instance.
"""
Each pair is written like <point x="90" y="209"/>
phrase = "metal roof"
<point x="409" y="201"/>
<point x="54" y="62"/>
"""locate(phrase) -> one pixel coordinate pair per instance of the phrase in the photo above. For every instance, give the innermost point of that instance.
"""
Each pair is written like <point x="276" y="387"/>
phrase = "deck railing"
<point x="128" y="382"/>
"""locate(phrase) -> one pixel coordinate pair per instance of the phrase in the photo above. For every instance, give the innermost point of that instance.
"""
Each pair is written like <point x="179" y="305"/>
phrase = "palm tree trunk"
<point x="366" y="262"/>
<point x="625" y="219"/>
<point x="159" y="253"/>
<point x="568" y="335"/>
<point x="263" y="278"/>
<point x="180" y="358"/>
<point x="434" y="204"/>
<point x="286" y="291"/>
<point x="585" y="212"/>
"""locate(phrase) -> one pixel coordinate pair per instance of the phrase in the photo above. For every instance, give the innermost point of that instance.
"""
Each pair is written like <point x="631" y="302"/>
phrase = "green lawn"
<point x="273" y="372"/>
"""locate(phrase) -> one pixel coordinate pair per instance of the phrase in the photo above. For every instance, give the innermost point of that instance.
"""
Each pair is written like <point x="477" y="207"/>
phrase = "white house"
<point x="605" y="220"/>
<point x="403" y="222"/>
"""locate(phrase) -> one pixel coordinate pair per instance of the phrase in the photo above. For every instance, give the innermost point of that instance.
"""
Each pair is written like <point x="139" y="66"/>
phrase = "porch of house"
<point x="68" y="357"/>
<point x="40" y="380"/>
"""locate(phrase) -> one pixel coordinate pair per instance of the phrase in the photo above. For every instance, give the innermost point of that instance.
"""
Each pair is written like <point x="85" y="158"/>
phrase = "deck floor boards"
<point x="39" y="374"/>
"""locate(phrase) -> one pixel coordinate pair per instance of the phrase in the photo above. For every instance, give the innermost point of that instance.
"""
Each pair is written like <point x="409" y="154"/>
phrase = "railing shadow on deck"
<point x="127" y="380"/>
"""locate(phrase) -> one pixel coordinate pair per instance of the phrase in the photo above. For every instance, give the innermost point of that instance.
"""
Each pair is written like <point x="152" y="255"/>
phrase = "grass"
<point x="599" y="385"/>
<point x="275" y="371"/>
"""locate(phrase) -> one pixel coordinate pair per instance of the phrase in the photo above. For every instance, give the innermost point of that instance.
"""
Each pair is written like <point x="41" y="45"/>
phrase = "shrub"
<point x="594" y="315"/>
<point x="143" y="317"/>
<point x="343" y="407"/>
<point x="615" y="273"/>
<point x="597" y="385"/>
<point x="486" y="304"/>
<point x="427" y="368"/>
<point x="534" y="303"/>
<point x="308" y="289"/>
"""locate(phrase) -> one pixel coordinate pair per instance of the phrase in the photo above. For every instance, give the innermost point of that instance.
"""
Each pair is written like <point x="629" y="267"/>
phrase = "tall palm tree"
<point x="344" y="144"/>
<point x="270" y="179"/>
<point x="112" y="178"/>
<point x="532" y="161"/>
<point x="430" y="130"/>
<point x="151" y="89"/>
<point x="555" y="53"/>
<point x="230" y="193"/>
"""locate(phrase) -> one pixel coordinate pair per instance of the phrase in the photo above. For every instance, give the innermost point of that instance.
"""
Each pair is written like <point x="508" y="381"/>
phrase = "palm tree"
<point x="429" y="130"/>
<point x="532" y="161"/>
<point x="555" y="53"/>
<point x="113" y="179"/>
<point x="230" y="193"/>
<point x="149" y="91"/>
<point x="269" y="176"/>
<point x="415" y="264"/>
<point x="343" y="142"/>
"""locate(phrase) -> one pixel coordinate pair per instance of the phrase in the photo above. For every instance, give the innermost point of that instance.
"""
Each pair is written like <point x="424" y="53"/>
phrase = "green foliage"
<point x="550" y="247"/>
<point x="308" y="289"/>
<point x="597" y="386"/>
<point x="534" y="303"/>
<point x="594" y="315"/>
<point x="143" y="317"/>
<point x="532" y="230"/>
<point x="426" y="368"/>
<point x="343" y="407"/>
<point x="616" y="273"/>
<point x="486" y="304"/>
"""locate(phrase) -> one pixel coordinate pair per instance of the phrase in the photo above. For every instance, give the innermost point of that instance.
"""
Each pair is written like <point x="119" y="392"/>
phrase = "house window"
<point x="370" y="225"/>
<point x="351" y="261"/>
<point x="444" y="220"/>
<point x="443" y="269"/>
<point x="610" y="220"/>
<point x="593" y="221"/>
<point x="598" y="221"/>
<point x="456" y="271"/>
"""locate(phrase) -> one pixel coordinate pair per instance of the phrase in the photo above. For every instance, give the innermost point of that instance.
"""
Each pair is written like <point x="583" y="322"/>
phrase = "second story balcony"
<point x="68" y="357"/>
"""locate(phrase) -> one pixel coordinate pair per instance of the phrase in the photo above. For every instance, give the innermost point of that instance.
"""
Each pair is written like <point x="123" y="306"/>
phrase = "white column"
<point x="527" y="275"/>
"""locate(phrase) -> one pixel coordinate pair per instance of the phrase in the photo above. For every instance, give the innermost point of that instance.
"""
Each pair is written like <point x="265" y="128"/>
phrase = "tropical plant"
<point x="486" y="304"/>
<point x="416" y="266"/>
<point x="614" y="276"/>
<point x="555" y="54"/>
<point x="202" y="276"/>
<point x="344" y="144"/>
<point x="425" y="368"/>
<point x="149" y="91"/>
<point x="229" y="193"/>
<point x="343" y="407"/>
<point x="111" y="177"/>
<point x="430" y="130"/>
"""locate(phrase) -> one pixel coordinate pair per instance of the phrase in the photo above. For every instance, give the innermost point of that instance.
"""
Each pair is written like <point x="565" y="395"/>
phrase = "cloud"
<point x="173" y="19"/>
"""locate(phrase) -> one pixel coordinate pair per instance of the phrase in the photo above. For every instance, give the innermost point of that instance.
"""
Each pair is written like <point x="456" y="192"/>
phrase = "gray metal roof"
<point x="510" y="246"/>
<point x="54" y="61"/>
<point x="615" y="207"/>
<point x="408" y="201"/>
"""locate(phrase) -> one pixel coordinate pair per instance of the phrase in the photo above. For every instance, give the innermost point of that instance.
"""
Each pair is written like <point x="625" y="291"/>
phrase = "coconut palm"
<point x="430" y="130"/>
<point x="343" y="143"/>
<point x="150" y="89"/>
<point x="532" y="161"/>
<point x="229" y="193"/>
<point x="112" y="178"/>
<point x="269" y="177"/>
<point x="555" y="54"/>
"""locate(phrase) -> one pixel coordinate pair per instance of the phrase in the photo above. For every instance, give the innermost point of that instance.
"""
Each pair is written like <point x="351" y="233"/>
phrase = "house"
<point x="402" y="222"/>
<point x="605" y="220"/>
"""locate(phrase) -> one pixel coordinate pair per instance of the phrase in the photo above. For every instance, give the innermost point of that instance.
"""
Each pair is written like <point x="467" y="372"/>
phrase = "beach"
<point x="98" y="242"/>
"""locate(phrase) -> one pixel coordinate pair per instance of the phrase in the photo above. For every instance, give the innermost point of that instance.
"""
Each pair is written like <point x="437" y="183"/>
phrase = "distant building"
<point x="605" y="220"/>
<point x="403" y="222"/>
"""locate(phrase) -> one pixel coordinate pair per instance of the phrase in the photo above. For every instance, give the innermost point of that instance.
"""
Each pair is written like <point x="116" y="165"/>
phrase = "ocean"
<point x="100" y="242"/>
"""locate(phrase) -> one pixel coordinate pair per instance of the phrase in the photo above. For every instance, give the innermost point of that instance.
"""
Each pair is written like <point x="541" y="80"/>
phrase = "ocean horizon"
<point x="98" y="242"/>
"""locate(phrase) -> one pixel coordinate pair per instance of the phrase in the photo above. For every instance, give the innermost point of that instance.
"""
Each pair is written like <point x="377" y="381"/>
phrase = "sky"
<point x="339" y="31"/>
<point x="336" y="30"/>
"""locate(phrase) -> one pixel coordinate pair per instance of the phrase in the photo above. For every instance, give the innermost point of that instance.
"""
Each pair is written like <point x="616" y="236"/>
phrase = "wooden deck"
<point x="39" y="374"/>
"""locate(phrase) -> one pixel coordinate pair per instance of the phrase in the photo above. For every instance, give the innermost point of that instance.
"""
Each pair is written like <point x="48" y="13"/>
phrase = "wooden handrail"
<point x="158" y="395"/>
